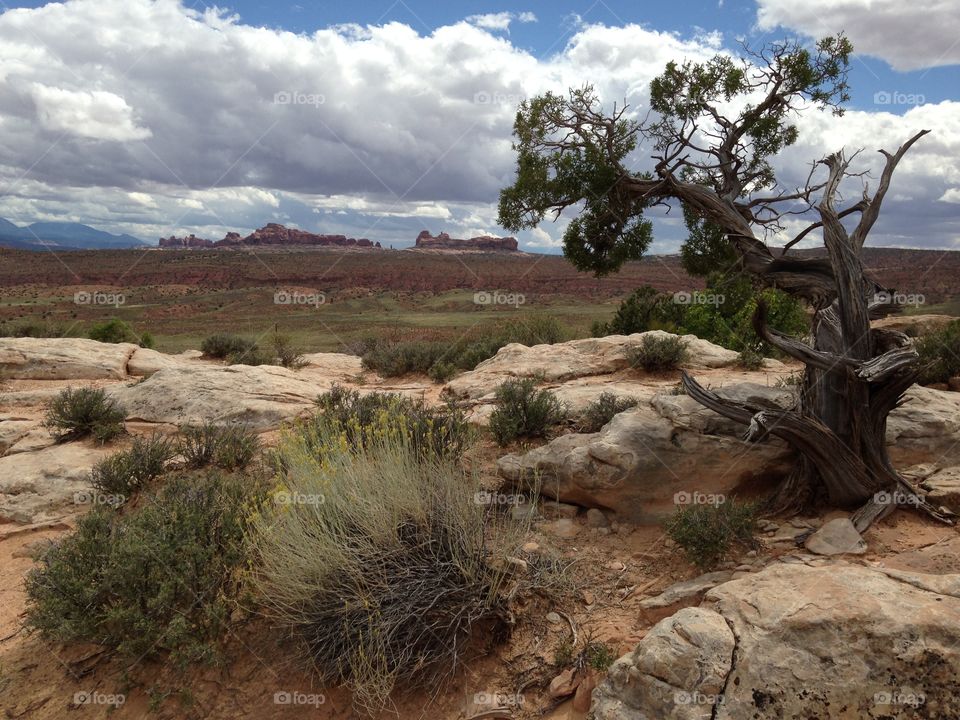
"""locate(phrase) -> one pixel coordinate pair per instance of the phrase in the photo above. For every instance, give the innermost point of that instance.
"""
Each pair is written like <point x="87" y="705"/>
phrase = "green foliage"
<point x="640" y="312"/>
<point x="117" y="331"/>
<point x="147" y="340"/>
<point x="362" y="420"/>
<point x="656" y="354"/>
<point x="254" y="355"/>
<point x="226" y="446"/>
<point x="33" y="329"/>
<point x="152" y="580"/>
<point x="377" y="559"/>
<point x="83" y="412"/>
<point x="222" y="345"/>
<point x="286" y="354"/>
<point x="599" y="656"/>
<point x="128" y="471"/>
<point x="939" y="352"/>
<point x="523" y="411"/>
<point x="602" y="410"/>
<point x="394" y="359"/>
<point x="706" y="532"/>
<point x="706" y="251"/>
<point x="750" y="359"/>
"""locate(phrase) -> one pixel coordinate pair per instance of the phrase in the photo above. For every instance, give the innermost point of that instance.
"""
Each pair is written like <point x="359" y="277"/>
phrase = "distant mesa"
<point x="269" y="234"/>
<point x="426" y="241"/>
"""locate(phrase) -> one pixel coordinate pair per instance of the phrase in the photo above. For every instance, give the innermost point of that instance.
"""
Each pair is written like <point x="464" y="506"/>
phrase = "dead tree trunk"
<point x="855" y="375"/>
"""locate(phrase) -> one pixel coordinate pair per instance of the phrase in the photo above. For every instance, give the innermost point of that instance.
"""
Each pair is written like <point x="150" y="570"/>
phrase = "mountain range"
<point x="62" y="235"/>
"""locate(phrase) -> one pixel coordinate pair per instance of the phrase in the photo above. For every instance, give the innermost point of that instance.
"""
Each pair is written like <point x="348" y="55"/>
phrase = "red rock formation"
<point x="443" y="241"/>
<point x="269" y="234"/>
<point x="191" y="241"/>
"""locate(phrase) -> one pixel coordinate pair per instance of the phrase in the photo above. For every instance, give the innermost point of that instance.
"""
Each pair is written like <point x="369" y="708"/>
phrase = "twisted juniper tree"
<point x="713" y="127"/>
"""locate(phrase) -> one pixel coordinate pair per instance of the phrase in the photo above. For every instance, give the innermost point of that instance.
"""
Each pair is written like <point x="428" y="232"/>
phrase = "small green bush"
<point x="146" y="340"/>
<point x="656" y="354"/>
<point x="113" y="331"/>
<point x="750" y="359"/>
<point x="82" y="412"/>
<point x="150" y="581"/>
<point x="128" y="471"/>
<point x="362" y="420"/>
<point x="602" y="410"/>
<point x="534" y="330"/>
<point x="707" y="531"/>
<point x="442" y="371"/>
<point x="939" y="354"/>
<point x="287" y="355"/>
<point x="222" y="345"/>
<point x="33" y="329"/>
<point x="638" y="313"/>
<point x="229" y="447"/>
<point x="523" y="411"/>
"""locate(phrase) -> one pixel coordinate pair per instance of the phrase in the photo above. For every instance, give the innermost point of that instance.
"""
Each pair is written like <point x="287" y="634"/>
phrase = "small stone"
<point x="603" y="531"/>
<point x="669" y="543"/>
<point x="530" y="547"/>
<point x="588" y="597"/>
<point x="596" y="519"/>
<point x="523" y="512"/>
<point x="554" y="618"/>
<point x="553" y="510"/>
<point x="752" y="554"/>
<point x="836" y="537"/>
<point x="562" y="528"/>
<point x="744" y="568"/>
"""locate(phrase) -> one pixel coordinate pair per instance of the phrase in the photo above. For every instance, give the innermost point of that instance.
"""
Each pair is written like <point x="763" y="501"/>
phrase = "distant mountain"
<point x="64" y="235"/>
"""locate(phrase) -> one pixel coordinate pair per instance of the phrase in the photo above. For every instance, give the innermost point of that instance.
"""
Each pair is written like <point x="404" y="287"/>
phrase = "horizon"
<point x="382" y="119"/>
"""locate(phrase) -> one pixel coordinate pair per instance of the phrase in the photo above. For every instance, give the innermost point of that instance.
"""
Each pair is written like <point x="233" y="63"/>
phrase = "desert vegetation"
<point x="82" y="412"/>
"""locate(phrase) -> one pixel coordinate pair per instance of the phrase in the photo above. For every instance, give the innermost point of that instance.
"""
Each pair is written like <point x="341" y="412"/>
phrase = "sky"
<point x="380" y="119"/>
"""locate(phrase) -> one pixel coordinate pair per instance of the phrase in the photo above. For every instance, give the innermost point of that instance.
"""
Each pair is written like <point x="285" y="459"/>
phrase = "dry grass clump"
<point x="375" y="558"/>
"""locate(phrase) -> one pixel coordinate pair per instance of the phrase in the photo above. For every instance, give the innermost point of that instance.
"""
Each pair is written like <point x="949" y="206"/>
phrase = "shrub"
<point x="364" y="419"/>
<point x="403" y="358"/>
<point x="226" y="446"/>
<point x="533" y="330"/>
<point x="706" y="532"/>
<point x="638" y="313"/>
<point x="113" y="331"/>
<point x="82" y="412"/>
<point x="254" y="355"/>
<point x="286" y="354"/>
<point x="442" y="371"/>
<point x="601" y="411"/>
<point x="128" y="471"/>
<point x="939" y="354"/>
<point x="657" y="353"/>
<point x="377" y="561"/>
<point x="146" y="340"/>
<point x="523" y="411"/>
<point x="39" y="329"/>
<point x="222" y="345"/>
<point x="750" y="359"/>
<point x="148" y="581"/>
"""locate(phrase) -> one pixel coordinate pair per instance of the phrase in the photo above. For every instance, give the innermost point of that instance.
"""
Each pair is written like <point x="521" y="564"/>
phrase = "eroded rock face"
<point x="261" y="397"/>
<point x="834" y="641"/>
<point x="574" y="359"/>
<point x="926" y="427"/>
<point x="145" y="362"/>
<point x="63" y="359"/>
<point x="666" y="450"/>
<point x="443" y="241"/>
<point x="48" y="483"/>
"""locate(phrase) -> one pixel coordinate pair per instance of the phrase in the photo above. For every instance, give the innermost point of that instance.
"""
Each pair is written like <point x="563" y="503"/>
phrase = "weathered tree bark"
<point x="855" y="375"/>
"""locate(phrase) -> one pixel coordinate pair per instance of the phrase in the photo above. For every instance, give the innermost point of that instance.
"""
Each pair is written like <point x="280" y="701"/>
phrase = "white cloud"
<point x="908" y="35"/>
<point x="96" y="114"/>
<point x="411" y="128"/>
<point x="500" y="20"/>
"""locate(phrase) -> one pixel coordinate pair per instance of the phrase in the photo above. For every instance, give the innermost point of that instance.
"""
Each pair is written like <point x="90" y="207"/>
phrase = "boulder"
<point x="49" y="483"/>
<point x="648" y="459"/>
<point x="925" y="427"/>
<point x="686" y="589"/>
<point x="943" y="488"/>
<point x="145" y="362"/>
<point x="63" y="359"/>
<point x="836" y="537"/>
<point x="331" y="367"/>
<point x="576" y="358"/>
<point x="260" y="397"/>
<point x="794" y="641"/>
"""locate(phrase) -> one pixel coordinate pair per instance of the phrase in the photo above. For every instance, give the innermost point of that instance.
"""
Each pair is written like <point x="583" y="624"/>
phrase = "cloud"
<point x="372" y="131"/>
<point x="908" y="35"/>
<point x="501" y="20"/>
